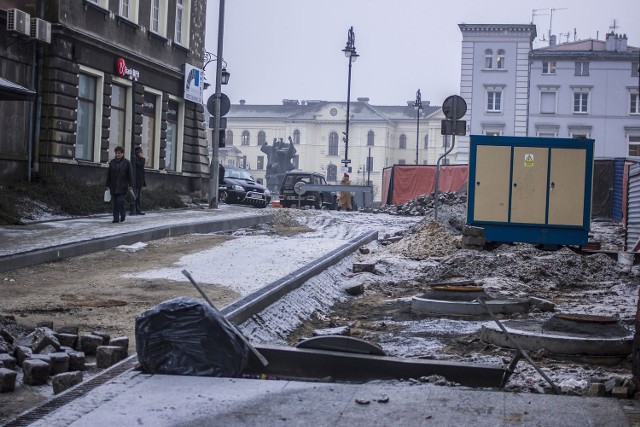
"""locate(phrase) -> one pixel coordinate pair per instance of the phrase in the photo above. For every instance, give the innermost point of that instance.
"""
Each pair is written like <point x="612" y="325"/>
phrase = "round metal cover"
<point x="299" y="188"/>
<point x="342" y="343"/>
<point x="454" y="107"/>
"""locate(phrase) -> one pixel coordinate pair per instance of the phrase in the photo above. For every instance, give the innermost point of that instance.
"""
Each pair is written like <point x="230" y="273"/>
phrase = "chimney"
<point x="621" y="43"/>
<point x="610" y="42"/>
<point x="242" y="102"/>
<point x="363" y="100"/>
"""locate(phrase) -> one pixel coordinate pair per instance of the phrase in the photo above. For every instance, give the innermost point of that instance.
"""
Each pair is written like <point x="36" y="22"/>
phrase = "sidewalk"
<point x="31" y="244"/>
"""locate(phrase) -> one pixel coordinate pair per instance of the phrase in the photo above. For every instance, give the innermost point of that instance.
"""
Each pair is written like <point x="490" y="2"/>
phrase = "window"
<point x="332" y="172"/>
<point x="494" y="100"/>
<point x="181" y="36"/>
<point x="158" y="23"/>
<point x="296" y="136"/>
<point x="118" y="120"/>
<point x="403" y="141"/>
<point x="370" y="137"/>
<point x="260" y="163"/>
<point x="172" y="136"/>
<point x="579" y="132"/>
<point x="580" y="101"/>
<point x="445" y="141"/>
<point x="129" y="10"/>
<point x="86" y="124"/>
<point x="500" y="59"/>
<point x="150" y="128"/>
<point x="228" y="139"/>
<point x="244" y="139"/>
<point x="488" y="59"/>
<point x="402" y="162"/>
<point x="546" y="135"/>
<point x="634" y="145"/>
<point x="547" y="102"/>
<point x="333" y="144"/>
<point x="262" y="138"/>
<point x="582" y="68"/>
<point x="102" y="3"/>
<point x="547" y="131"/>
<point x="635" y="68"/>
<point x="426" y="141"/>
<point x="634" y="103"/>
<point x="548" y="67"/>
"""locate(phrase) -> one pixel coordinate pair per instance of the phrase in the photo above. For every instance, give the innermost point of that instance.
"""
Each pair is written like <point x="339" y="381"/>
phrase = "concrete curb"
<point x="55" y="253"/>
<point x="251" y="304"/>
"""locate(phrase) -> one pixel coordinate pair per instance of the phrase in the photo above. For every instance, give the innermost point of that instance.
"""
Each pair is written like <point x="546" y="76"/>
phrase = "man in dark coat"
<point x="138" y="168"/>
<point x="119" y="182"/>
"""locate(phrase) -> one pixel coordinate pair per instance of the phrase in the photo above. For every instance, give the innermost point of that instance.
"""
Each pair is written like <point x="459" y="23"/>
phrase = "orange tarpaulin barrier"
<point x="403" y="183"/>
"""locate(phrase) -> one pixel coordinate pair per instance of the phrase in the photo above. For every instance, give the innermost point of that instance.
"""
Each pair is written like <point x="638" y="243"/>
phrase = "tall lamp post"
<point x="418" y="107"/>
<point x="349" y="52"/>
<point x="215" y="153"/>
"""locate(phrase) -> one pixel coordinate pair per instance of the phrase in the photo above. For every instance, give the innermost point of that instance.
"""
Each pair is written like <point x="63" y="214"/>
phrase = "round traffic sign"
<point x="225" y="104"/>
<point x="454" y="107"/>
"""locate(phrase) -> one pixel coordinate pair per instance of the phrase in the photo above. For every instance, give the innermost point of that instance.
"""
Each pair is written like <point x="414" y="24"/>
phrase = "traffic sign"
<point x="454" y="107"/>
<point x="225" y="104"/>
<point x="453" y="127"/>
<point x="345" y="161"/>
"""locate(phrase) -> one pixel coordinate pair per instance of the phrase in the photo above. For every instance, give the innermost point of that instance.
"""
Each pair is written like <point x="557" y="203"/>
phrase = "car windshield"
<point x="238" y="174"/>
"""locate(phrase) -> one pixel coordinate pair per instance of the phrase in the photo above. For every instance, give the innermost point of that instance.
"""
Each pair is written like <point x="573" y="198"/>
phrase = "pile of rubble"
<point x="60" y="355"/>
<point x="430" y="239"/>
<point x="423" y="205"/>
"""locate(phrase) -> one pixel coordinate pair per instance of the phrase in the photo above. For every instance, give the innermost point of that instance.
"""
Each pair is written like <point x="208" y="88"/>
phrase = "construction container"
<point x="535" y="190"/>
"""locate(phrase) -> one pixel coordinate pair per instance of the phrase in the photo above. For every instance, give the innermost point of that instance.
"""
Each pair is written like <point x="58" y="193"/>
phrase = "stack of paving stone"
<point x="58" y="355"/>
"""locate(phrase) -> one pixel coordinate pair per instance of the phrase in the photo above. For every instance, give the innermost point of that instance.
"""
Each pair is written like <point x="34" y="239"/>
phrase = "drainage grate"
<point x="57" y="402"/>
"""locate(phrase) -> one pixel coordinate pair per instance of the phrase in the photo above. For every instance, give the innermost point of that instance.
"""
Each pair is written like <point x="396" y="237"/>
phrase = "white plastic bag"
<point x="107" y="195"/>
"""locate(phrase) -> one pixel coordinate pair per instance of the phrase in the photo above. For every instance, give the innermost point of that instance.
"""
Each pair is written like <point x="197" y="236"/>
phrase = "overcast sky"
<point x="292" y="49"/>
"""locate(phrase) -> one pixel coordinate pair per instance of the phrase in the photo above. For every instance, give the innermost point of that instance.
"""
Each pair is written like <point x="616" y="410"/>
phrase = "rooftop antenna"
<point x="567" y="34"/>
<point x="551" y="19"/>
<point x="613" y="27"/>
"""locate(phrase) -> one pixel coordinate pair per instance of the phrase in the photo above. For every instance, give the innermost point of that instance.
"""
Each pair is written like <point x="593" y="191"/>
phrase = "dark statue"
<point x="279" y="156"/>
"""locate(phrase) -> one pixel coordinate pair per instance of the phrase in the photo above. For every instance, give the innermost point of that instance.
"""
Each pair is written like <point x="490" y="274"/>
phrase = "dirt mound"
<point x="430" y="239"/>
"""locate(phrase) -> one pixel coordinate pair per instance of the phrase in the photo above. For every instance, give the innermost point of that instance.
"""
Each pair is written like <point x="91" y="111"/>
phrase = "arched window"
<point x="228" y="139"/>
<point x="262" y="138"/>
<point x="403" y="141"/>
<point x="500" y="59"/>
<point x="370" y="137"/>
<point x="333" y="144"/>
<point x="426" y="141"/>
<point x="296" y="136"/>
<point x="332" y="172"/>
<point x="488" y="58"/>
<point x="245" y="137"/>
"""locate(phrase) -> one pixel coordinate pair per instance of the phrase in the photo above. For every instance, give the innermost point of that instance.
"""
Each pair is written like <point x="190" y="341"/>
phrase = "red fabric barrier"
<point x="410" y="182"/>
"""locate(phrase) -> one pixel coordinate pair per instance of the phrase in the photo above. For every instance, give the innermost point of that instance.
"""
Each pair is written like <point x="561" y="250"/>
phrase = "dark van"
<point x="289" y="193"/>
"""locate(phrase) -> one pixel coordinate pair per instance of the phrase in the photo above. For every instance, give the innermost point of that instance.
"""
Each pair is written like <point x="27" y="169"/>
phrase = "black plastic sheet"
<point x="185" y="336"/>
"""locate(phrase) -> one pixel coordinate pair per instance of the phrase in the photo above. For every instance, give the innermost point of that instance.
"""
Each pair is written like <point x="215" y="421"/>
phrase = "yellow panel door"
<point x="529" y="185"/>
<point x="491" y="182"/>
<point x="567" y="186"/>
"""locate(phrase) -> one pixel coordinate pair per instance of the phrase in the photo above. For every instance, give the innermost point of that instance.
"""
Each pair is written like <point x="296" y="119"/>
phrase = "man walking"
<point x="138" y="168"/>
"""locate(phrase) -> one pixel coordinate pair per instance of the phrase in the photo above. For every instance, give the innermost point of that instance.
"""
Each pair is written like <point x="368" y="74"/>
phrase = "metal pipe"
<point x="346" y="134"/>
<point x="453" y="142"/>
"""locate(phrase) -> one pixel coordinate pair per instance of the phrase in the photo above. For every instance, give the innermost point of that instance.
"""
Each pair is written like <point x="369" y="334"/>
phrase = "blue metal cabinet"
<point x="535" y="190"/>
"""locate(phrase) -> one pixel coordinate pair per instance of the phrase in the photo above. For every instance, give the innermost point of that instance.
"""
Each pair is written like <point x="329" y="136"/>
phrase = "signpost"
<point x="454" y="108"/>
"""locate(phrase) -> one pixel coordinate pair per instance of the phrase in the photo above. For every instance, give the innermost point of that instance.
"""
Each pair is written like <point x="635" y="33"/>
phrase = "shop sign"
<point x="193" y="83"/>
<point x="123" y="71"/>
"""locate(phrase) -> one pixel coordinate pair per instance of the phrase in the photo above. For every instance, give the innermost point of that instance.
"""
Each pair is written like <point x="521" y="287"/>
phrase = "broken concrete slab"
<point x="8" y="361"/>
<point x="105" y="336"/>
<point x="109" y="355"/>
<point x="7" y="380"/>
<point x="36" y="372"/>
<point x="541" y="304"/>
<point x="355" y="289"/>
<point x="72" y="330"/>
<point x="22" y="353"/>
<point x="77" y="361"/>
<point x="121" y="342"/>
<point x="340" y="330"/>
<point x="364" y="267"/>
<point x="89" y="343"/>
<point x="59" y="363"/>
<point x="39" y="339"/>
<point x="67" y="340"/>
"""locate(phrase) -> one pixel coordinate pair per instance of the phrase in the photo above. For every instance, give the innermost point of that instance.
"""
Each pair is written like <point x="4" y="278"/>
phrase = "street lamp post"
<point x="418" y="107"/>
<point x="349" y="52"/>
<point x="215" y="152"/>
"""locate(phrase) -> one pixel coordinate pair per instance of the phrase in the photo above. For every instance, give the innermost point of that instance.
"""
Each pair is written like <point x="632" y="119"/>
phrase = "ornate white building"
<point x="379" y="136"/>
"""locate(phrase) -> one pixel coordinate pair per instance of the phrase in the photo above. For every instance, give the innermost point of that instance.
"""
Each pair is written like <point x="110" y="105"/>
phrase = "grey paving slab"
<point x="159" y="400"/>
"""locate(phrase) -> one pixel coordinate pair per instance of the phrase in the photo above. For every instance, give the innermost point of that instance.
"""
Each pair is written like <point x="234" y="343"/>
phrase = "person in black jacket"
<point x="138" y="168"/>
<point x="119" y="182"/>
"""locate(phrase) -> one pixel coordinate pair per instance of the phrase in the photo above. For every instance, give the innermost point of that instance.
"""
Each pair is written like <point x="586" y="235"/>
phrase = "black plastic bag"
<point x="185" y="336"/>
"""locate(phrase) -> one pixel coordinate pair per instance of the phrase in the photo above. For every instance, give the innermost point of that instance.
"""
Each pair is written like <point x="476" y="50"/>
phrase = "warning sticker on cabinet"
<point x="529" y="159"/>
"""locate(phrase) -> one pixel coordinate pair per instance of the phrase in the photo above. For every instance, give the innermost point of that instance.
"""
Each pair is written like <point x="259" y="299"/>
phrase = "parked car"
<point x="238" y="186"/>
<point x="319" y="199"/>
